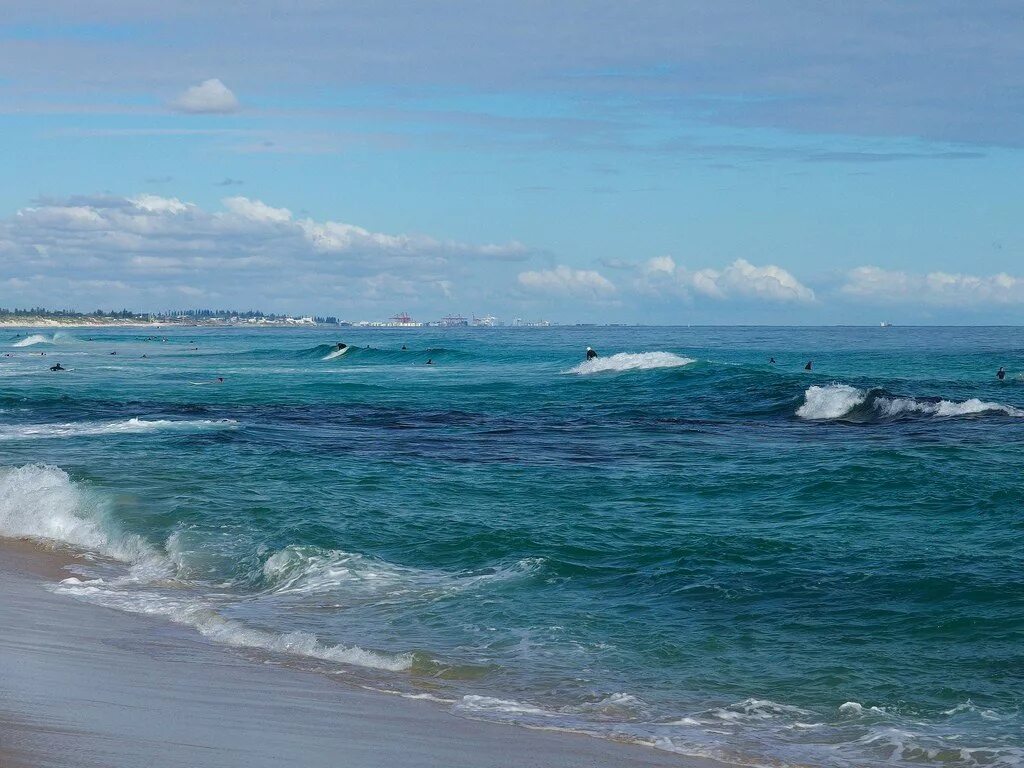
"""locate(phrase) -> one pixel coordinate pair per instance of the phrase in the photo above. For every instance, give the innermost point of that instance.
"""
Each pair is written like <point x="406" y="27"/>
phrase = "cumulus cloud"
<point x="937" y="288"/>
<point x="566" y="281"/>
<point x="741" y="279"/>
<point x="256" y="210"/>
<point x="150" y="249"/>
<point x="209" y="97"/>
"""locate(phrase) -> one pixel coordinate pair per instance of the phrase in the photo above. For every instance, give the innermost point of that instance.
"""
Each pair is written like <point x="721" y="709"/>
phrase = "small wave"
<point x="209" y="623"/>
<point x="311" y="570"/>
<point x="133" y="426"/>
<point x="474" y="704"/>
<point x="39" y="338"/>
<point x="335" y="353"/>
<point x="629" y="361"/>
<point x="841" y="401"/>
<point x="41" y="502"/>
<point x="831" y="402"/>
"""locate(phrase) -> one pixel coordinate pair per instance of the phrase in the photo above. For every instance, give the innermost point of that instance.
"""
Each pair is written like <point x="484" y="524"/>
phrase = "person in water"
<point x="771" y="361"/>
<point x="339" y="346"/>
<point x="808" y="366"/>
<point x="57" y="367"/>
<point x="591" y="354"/>
<point x="1001" y="373"/>
<point x="430" y="361"/>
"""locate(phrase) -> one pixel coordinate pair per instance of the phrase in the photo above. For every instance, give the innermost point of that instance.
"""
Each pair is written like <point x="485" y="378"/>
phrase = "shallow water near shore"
<point x="676" y="543"/>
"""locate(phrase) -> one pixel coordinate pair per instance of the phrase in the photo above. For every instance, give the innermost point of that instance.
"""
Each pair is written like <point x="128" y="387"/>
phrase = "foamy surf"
<point x="831" y="402"/>
<point x="133" y="426"/>
<point x="631" y="361"/>
<point x="335" y="353"/>
<point x="204" y="618"/>
<point x="39" y="338"/>
<point x="311" y="570"/>
<point x="841" y="401"/>
<point x="42" y="503"/>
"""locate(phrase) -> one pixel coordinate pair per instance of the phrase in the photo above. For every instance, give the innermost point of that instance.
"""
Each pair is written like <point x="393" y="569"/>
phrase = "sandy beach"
<point x="82" y="686"/>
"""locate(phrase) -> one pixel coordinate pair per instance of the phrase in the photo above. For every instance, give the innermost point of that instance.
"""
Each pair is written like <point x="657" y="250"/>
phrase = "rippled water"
<point x="677" y="543"/>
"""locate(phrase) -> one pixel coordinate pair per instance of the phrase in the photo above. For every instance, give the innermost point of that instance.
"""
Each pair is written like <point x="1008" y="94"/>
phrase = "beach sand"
<point x="83" y="686"/>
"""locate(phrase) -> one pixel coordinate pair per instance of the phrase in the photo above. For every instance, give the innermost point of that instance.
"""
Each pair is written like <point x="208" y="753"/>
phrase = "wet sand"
<point x="83" y="686"/>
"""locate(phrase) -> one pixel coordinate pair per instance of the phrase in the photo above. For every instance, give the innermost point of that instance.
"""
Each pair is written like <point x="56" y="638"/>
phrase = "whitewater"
<point x="677" y="543"/>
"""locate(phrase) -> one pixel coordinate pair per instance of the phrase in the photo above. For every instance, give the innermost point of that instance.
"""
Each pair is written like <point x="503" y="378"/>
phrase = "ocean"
<point x="677" y="544"/>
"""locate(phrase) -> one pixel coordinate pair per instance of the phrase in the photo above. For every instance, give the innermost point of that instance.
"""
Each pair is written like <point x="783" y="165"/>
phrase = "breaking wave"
<point x="335" y="353"/>
<point x="628" y="361"/>
<point x="133" y="426"/>
<point x="836" y="402"/>
<point x="42" y="503"/>
<point x="39" y="338"/>
<point x="312" y="570"/>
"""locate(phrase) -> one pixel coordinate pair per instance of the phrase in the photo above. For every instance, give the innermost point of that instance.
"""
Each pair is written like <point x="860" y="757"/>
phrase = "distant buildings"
<point x="401" y="320"/>
<point x="487" y="321"/>
<point x="246" y="318"/>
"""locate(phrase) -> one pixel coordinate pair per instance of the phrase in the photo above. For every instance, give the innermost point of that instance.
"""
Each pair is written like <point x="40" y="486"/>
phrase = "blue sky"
<point x="657" y="162"/>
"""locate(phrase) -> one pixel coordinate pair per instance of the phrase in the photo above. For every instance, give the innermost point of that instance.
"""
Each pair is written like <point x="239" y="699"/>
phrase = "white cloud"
<point x="658" y="264"/>
<point x="256" y="210"/>
<point x="565" y="281"/>
<point x="156" y="204"/>
<point x="741" y="279"/>
<point x="769" y="282"/>
<point x="937" y="288"/>
<point x="140" y="251"/>
<point x="209" y="97"/>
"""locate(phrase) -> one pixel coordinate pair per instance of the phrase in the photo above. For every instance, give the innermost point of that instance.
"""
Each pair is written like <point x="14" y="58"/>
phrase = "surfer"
<point x="339" y="346"/>
<point x="1001" y="373"/>
<point x="771" y="361"/>
<point x="591" y="354"/>
<point x="430" y="361"/>
<point x="808" y="366"/>
<point x="57" y="367"/>
<point x="404" y="348"/>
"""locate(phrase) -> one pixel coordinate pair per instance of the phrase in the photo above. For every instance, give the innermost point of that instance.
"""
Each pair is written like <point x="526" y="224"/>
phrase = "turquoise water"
<point x="680" y="544"/>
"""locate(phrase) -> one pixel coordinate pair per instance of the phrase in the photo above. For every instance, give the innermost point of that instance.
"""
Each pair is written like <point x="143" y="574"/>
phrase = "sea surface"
<point x="678" y="543"/>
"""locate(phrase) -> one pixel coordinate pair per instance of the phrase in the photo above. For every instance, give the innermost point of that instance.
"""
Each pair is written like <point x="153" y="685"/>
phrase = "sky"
<point x="645" y="161"/>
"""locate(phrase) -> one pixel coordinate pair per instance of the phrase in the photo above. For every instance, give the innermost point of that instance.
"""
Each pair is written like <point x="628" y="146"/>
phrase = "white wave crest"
<point x="311" y="570"/>
<point x="835" y="401"/>
<point x="39" y="338"/>
<point x="335" y="353"/>
<point x="209" y="623"/>
<point x="899" y="406"/>
<point x="831" y="402"/>
<point x="627" y="361"/>
<point x="126" y="427"/>
<point x="41" y="502"/>
<point x="473" y="704"/>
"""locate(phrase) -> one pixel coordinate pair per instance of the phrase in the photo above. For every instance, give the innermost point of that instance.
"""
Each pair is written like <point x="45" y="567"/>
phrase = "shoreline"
<point x="83" y="685"/>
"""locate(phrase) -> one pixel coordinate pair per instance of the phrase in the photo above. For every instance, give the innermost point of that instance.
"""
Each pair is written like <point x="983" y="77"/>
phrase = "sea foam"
<point x="335" y="353"/>
<point x="631" y="361"/>
<point x="841" y="401"/>
<point x="43" y="503"/>
<point x="122" y="427"/>
<point x="39" y="338"/>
